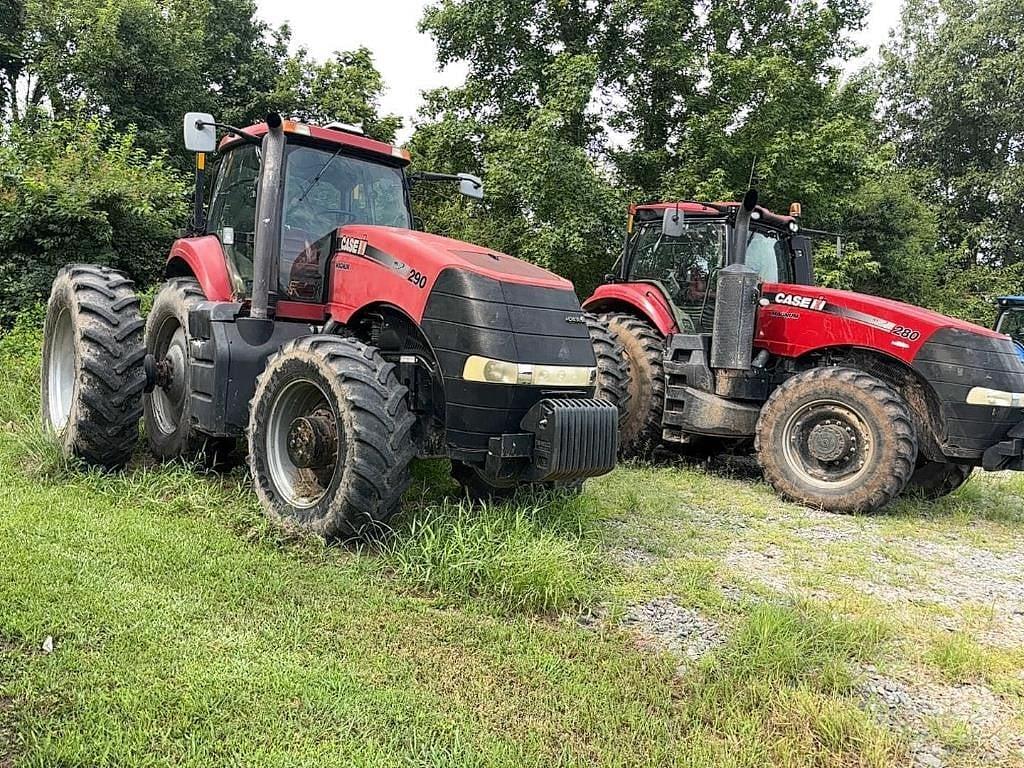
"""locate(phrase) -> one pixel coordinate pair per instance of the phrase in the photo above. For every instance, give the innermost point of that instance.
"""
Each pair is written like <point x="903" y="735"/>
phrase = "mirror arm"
<point x="432" y="176"/>
<point x="231" y="129"/>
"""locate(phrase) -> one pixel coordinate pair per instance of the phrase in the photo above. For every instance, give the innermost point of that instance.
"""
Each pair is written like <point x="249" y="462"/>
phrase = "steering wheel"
<point x="350" y="217"/>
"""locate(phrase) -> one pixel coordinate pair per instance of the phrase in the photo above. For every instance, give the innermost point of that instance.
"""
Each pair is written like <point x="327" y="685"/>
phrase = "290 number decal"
<point x="417" y="278"/>
<point x="905" y="333"/>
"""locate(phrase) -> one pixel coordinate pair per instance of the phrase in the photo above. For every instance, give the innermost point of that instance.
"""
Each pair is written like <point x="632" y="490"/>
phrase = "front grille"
<point x="470" y="314"/>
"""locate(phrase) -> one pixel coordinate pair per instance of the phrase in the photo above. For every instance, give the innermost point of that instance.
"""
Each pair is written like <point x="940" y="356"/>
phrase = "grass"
<point x="188" y="631"/>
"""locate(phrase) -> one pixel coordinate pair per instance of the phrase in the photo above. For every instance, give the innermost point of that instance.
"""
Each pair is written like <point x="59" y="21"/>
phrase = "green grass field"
<point x="186" y="631"/>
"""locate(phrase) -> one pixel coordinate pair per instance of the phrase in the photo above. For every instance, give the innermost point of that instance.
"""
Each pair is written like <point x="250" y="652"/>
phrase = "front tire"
<point x="838" y="439"/>
<point x="330" y="438"/>
<point x="934" y="479"/>
<point x="640" y="429"/>
<point x="92" y="371"/>
<point x="168" y="408"/>
<point x="612" y="382"/>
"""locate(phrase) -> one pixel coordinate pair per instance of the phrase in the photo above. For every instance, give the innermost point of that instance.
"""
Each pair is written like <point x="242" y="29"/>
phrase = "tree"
<point x="77" y="190"/>
<point x="346" y="87"/>
<point x="953" y="102"/>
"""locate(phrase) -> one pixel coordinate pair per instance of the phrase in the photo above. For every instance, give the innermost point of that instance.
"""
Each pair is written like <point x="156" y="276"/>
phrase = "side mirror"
<point x="673" y="223"/>
<point x="471" y="186"/>
<point x="200" y="132"/>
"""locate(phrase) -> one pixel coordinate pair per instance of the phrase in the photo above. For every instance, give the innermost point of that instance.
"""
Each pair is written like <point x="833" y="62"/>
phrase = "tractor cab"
<point x="679" y="248"/>
<point x="329" y="177"/>
<point x="1010" y="319"/>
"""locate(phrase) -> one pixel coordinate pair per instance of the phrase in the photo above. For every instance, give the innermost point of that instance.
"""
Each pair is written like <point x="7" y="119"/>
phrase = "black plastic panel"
<point x="469" y="314"/>
<point x="954" y="361"/>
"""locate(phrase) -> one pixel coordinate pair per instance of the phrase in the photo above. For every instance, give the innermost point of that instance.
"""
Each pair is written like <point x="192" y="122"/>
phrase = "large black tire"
<point x="348" y="387"/>
<point x="612" y="371"/>
<point x="837" y="438"/>
<point x="92" y="372"/>
<point x="640" y="429"/>
<point x="168" y="408"/>
<point x="934" y="479"/>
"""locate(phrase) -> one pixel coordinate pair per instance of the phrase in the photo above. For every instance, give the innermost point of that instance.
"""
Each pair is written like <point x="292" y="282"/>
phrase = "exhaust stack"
<point x="732" y="338"/>
<point x="268" y="217"/>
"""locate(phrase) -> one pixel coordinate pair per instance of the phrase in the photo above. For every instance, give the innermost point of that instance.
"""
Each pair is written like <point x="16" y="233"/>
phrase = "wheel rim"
<point x="60" y="371"/>
<point x="828" y="443"/>
<point x="171" y="353"/>
<point x="303" y="472"/>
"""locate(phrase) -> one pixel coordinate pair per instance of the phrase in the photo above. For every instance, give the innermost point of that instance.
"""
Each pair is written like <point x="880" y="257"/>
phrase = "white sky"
<point x="405" y="57"/>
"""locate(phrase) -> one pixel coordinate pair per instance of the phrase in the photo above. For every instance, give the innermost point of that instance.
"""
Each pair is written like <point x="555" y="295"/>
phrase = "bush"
<point x="77" y="191"/>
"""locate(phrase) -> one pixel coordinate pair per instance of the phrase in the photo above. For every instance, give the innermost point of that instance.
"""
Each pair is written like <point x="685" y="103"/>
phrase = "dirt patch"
<point x="663" y="624"/>
<point x="981" y="719"/>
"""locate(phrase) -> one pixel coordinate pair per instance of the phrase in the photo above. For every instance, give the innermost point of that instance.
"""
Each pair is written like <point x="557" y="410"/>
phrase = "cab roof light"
<point x="795" y="210"/>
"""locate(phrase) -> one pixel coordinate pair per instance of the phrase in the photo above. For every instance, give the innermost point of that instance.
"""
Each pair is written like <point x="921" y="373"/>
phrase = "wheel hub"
<point x="830" y="441"/>
<point x="312" y="441"/>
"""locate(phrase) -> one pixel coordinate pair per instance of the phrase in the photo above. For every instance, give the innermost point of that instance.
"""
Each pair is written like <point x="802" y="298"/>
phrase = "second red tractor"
<point x="846" y="399"/>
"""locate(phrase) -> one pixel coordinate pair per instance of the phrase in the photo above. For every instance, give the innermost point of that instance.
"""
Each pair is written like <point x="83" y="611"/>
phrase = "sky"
<point x="405" y="57"/>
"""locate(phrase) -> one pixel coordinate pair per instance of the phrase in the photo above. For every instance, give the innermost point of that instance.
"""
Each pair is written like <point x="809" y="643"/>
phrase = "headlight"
<point x="995" y="397"/>
<point x="490" y="371"/>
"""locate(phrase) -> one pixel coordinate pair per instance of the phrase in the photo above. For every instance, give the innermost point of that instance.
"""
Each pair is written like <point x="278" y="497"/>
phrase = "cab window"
<point x="769" y="255"/>
<point x="324" y="190"/>
<point x="233" y="213"/>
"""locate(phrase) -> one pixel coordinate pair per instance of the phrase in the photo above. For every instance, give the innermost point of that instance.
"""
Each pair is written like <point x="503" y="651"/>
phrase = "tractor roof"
<point x="336" y="136"/>
<point x="690" y="208"/>
<point x="1010" y="301"/>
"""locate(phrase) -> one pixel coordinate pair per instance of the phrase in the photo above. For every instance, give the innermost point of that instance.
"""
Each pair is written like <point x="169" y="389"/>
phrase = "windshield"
<point x="324" y="190"/>
<point x="1011" y="322"/>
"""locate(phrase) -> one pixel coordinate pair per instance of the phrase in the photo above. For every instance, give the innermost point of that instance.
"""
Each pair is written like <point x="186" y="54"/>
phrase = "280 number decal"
<point x="905" y="333"/>
<point x="417" y="278"/>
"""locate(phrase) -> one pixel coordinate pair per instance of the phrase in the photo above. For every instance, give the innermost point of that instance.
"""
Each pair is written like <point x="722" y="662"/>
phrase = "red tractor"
<point x="846" y="399"/>
<point x="304" y="313"/>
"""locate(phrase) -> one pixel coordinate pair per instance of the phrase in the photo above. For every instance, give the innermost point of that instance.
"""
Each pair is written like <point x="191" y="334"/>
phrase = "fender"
<point x="204" y="258"/>
<point x="643" y="298"/>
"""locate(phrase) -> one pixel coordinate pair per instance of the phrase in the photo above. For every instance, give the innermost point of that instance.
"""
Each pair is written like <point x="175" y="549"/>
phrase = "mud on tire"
<point x="92" y="371"/>
<point x="168" y="410"/>
<point x="340" y="384"/>
<point x="640" y="429"/>
<point x="837" y="438"/>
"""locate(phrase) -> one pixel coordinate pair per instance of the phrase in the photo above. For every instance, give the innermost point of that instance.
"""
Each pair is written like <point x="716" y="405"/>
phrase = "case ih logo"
<point x="804" y="302"/>
<point x="350" y="244"/>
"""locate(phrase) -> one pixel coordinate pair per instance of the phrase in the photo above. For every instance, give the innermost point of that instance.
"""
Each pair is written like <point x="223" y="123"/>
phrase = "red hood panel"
<point x="432" y="252"/>
<point x="796" y="319"/>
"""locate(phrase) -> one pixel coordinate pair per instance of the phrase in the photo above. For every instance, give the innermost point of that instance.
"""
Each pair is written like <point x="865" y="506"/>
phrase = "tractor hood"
<point x="871" y="307"/>
<point x="795" y="319"/>
<point x="430" y="254"/>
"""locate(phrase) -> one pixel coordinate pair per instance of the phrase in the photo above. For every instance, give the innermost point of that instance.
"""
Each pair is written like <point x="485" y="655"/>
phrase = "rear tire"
<point x="168" y="410"/>
<point x="837" y="438"/>
<point x="934" y="479"/>
<point x="92" y="372"/>
<point x="612" y="382"/>
<point x="344" y="486"/>
<point x="644" y="348"/>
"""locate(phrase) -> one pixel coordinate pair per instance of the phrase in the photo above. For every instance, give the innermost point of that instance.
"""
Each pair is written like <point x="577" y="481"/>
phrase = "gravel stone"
<point x="663" y="624"/>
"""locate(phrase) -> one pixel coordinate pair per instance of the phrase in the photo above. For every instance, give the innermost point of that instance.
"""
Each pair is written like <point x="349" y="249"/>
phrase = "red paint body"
<point x="401" y="276"/>
<point x="793" y="331"/>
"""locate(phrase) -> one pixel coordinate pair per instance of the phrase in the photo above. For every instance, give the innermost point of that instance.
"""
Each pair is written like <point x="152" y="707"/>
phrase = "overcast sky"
<point x="406" y="58"/>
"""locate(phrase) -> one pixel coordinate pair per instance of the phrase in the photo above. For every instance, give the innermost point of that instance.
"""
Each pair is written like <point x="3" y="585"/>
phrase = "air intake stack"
<point x="732" y="338"/>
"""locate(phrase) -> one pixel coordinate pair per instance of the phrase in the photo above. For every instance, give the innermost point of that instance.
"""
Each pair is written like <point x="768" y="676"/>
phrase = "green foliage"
<point x="345" y="88"/>
<point x="528" y="555"/>
<point x="20" y="355"/>
<point x="77" y="190"/>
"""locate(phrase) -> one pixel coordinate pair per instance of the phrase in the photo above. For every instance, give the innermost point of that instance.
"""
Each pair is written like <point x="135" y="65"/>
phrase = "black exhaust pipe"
<point x="269" y="190"/>
<point x="741" y="229"/>
<point x="732" y="336"/>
